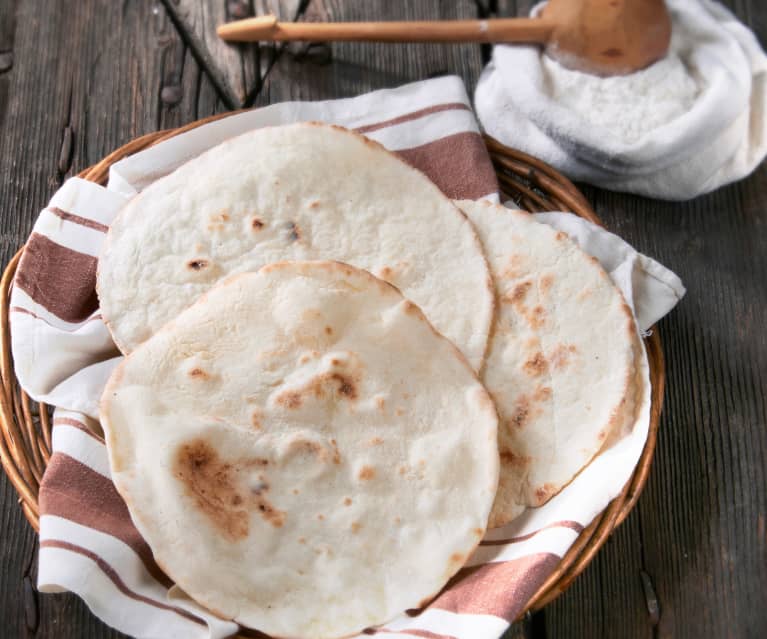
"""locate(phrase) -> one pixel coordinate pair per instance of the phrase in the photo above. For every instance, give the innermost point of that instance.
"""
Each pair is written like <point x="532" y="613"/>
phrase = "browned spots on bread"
<point x="518" y="293"/>
<point x="366" y="473"/>
<point x="457" y="558"/>
<point x="213" y="484"/>
<point x="296" y="491"/>
<point x="544" y="493"/>
<point x="510" y="273"/>
<point x="521" y="413"/>
<point x="307" y="445"/>
<point x="321" y="517"/>
<point x="399" y="412"/>
<point x="347" y="501"/>
<point x="294" y="231"/>
<point x="402" y="470"/>
<point x="536" y="365"/>
<point x="560" y="355"/>
<point x="217" y="221"/>
<point x="302" y="446"/>
<point x="289" y="399"/>
<point x="255" y="419"/>
<point x="546" y="282"/>
<point x="314" y="204"/>
<point x="397" y="520"/>
<point x="479" y="532"/>
<point x="257" y="224"/>
<point x="380" y="403"/>
<point x="343" y="386"/>
<point x="514" y="461"/>
<point x="199" y="373"/>
<point x="346" y="386"/>
<point x="513" y="271"/>
<point x="542" y="393"/>
<point x="328" y="330"/>
<point x="302" y="540"/>
<point x="537" y="317"/>
<point x="356" y="526"/>
<point x="385" y="272"/>
<point x="336" y="454"/>
<point x="617" y="416"/>
<point x="561" y="236"/>
<point x="197" y="264"/>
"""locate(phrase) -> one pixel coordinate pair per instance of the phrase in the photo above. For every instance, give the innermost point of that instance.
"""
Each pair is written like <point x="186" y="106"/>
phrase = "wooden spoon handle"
<point x="267" y="28"/>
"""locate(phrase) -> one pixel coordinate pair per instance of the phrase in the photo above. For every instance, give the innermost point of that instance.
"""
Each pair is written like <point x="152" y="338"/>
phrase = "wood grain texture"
<point x="86" y="77"/>
<point x="307" y="71"/>
<point x="236" y="69"/>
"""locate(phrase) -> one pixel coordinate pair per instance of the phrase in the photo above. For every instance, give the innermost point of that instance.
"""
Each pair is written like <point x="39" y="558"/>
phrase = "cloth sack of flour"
<point x="682" y="127"/>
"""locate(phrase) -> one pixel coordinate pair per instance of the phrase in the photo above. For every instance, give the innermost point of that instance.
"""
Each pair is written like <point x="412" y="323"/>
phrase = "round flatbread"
<point x="561" y="363"/>
<point x="302" y="451"/>
<point x="298" y="192"/>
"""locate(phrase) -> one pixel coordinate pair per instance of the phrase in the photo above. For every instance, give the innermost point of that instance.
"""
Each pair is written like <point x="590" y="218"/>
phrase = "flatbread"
<point x="302" y="451"/>
<point x="297" y="192"/>
<point x="561" y="363"/>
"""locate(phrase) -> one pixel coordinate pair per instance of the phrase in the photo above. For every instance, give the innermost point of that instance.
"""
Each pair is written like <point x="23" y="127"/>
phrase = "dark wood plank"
<point x="86" y="78"/>
<point x="319" y="71"/>
<point x="236" y="69"/>
<point x="512" y="8"/>
<point x="7" y="23"/>
<point x="18" y="599"/>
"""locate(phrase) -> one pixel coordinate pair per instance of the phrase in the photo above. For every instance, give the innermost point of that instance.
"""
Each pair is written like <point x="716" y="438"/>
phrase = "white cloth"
<point x="720" y="139"/>
<point x="63" y="355"/>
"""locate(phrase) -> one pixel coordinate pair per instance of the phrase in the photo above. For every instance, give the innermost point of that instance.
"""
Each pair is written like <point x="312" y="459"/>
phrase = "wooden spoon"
<point x="605" y="37"/>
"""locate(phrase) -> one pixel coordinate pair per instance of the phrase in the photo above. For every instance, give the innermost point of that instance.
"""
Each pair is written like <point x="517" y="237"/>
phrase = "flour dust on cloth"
<point x="683" y="126"/>
<point x="63" y="356"/>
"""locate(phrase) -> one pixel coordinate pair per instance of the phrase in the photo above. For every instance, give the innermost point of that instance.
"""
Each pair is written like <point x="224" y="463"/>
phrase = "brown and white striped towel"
<point x="63" y="356"/>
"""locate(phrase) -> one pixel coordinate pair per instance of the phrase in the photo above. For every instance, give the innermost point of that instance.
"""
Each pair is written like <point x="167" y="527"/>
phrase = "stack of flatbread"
<point x="337" y="379"/>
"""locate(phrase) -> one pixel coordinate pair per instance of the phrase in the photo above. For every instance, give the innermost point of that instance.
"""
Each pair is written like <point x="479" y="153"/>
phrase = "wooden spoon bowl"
<point x="607" y="37"/>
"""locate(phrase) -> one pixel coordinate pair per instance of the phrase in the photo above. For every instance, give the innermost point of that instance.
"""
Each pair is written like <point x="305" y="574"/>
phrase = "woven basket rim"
<point x="25" y="444"/>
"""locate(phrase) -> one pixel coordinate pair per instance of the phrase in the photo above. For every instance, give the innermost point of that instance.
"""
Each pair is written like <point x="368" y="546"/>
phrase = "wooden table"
<point x="79" y="78"/>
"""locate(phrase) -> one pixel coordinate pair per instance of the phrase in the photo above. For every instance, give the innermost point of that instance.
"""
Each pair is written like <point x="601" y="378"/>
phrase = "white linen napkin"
<point x="718" y="138"/>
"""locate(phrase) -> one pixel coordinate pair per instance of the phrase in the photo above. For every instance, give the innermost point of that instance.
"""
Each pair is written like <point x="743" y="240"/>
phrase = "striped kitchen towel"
<point x="63" y="355"/>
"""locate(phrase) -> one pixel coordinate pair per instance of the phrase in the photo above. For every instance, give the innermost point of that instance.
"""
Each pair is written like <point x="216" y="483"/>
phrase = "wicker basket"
<point x="25" y="427"/>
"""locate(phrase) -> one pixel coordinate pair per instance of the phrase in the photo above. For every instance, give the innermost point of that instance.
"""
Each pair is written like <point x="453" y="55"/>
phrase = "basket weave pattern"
<point x="25" y="426"/>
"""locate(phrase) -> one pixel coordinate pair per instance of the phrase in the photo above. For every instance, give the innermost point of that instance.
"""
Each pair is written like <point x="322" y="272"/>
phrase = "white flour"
<point x="682" y="127"/>
<point x="628" y="106"/>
